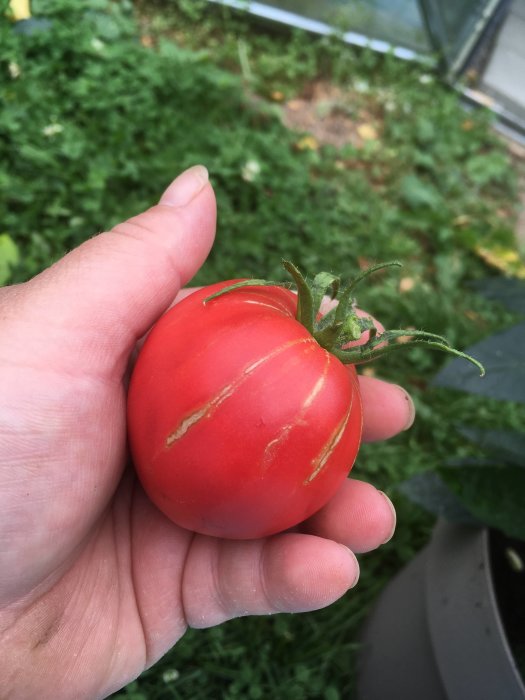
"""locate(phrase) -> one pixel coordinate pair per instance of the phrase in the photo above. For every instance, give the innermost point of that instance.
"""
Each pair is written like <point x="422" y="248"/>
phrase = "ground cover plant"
<point x="104" y="104"/>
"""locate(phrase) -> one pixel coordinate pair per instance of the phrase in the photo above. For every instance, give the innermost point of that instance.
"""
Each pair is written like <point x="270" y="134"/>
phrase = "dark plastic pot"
<point x="436" y="632"/>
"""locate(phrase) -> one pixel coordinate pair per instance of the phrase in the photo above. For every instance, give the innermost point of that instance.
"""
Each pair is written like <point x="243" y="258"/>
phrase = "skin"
<point x="95" y="583"/>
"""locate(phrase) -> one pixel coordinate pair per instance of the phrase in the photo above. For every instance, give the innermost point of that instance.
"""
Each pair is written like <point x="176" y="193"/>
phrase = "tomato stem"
<point x="305" y="298"/>
<point x="341" y="329"/>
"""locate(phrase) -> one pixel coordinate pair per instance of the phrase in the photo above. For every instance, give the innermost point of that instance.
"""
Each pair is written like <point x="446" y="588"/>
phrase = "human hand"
<point x="95" y="583"/>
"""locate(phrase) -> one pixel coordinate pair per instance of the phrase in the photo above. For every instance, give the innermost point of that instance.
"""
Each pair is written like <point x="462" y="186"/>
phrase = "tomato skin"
<point x="240" y="424"/>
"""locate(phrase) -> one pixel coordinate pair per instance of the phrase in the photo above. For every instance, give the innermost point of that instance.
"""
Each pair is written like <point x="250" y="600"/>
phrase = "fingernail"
<point x="411" y="409"/>
<point x="185" y="187"/>
<point x="357" y="570"/>
<point x="394" y="515"/>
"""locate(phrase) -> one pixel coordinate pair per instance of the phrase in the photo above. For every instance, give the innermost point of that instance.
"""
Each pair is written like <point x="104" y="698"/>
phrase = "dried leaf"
<point x="307" y="143"/>
<point x="295" y="105"/>
<point x="507" y="260"/>
<point x="406" y="284"/>
<point x="367" y="132"/>
<point x="462" y="220"/>
<point x="20" y="9"/>
<point x="147" y="41"/>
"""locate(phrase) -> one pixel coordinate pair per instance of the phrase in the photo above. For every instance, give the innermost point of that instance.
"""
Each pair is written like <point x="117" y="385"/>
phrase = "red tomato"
<point x="240" y="424"/>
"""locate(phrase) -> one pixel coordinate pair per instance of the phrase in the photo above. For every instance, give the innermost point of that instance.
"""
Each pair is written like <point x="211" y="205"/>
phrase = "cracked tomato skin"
<point x="240" y="424"/>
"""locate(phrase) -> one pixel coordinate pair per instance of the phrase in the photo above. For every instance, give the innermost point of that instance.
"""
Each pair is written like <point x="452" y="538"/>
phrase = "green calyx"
<point x="338" y="330"/>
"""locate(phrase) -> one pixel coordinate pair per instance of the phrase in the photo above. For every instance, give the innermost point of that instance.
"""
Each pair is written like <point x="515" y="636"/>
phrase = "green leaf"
<point x="9" y="257"/>
<point x="503" y="357"/>
<point x="492" y="494"/>
<point x="417" y="193"/>
<point x="425" y="131"/>
<point x="324" y="283"/>
<point x="506" y="445"/>
<point x="430" y="492"/>
<point x="508" y="292"/>
<point x="486" y="168"/>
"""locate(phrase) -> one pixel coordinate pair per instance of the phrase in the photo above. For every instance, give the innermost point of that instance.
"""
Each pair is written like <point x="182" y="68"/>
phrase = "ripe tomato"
<point x="243" y="419"/>
<point x="240" y="424"/>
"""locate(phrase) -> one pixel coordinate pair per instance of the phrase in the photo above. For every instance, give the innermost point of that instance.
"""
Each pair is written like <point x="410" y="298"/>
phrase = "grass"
<point x="100" y="114"/>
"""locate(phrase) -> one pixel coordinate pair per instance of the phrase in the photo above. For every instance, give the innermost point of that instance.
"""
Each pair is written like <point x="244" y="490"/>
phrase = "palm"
<point x="84" y="527"/>
<point x="117" y="561"/>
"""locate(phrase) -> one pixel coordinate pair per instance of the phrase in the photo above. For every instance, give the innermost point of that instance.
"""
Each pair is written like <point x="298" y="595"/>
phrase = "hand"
<point x="95" y="583"/>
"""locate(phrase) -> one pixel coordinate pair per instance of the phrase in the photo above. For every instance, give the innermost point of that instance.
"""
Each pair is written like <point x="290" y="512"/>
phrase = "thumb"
<point x="106" y="293"/>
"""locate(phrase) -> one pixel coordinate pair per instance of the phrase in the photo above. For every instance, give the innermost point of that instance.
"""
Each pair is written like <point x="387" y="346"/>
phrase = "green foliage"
<point x="494" y="494"/>
<point x="9" y="256"/>
<point x="505" y="291"/>
<point x="504" y="361"/>
<point x="505" y="446"/>
<point x="488" y="489"/>
<point x="95" y="125"/>
<point x="89" y="127"/>
<point x="241" y="664"/>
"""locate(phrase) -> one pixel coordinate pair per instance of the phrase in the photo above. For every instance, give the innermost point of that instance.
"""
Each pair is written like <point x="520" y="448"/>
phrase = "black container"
<point x="436" y="632"/>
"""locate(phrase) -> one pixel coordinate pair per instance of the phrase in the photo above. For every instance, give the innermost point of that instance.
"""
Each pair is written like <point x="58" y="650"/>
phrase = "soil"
<point x="331" y="117"/>
<point x="326" y="112"/>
